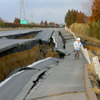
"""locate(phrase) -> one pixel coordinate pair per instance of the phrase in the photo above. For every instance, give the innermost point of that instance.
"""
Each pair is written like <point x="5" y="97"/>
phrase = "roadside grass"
<point x="82" y="31"/>
<point x="78" y="28"/>
<point x="94" y="80"/>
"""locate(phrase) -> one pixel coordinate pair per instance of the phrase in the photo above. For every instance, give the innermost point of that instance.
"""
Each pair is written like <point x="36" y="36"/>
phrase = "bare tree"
<point x="87" y="7"/>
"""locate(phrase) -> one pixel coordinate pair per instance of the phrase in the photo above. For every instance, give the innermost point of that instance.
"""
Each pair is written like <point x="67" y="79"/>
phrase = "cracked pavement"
<point x="66" y="81"/>
<point x="61" y="81"/>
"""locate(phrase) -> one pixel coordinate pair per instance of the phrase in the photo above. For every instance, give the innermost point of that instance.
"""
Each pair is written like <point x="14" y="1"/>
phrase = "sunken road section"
<point x="15" y="53"/>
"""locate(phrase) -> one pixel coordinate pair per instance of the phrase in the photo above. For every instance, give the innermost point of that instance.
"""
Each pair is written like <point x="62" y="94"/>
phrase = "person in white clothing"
<point x="77" y="46"/>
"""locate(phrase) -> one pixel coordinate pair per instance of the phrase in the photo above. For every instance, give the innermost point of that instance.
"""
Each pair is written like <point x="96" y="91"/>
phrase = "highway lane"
<point x="10" y="89"/>
<point x="12" y="86"/>
<point x="58" y="40"/>
<point x="66" y="81"/>
<point x="67" y="77"/>
<point x="59" y="44"/>
<point x="6" y="44"/>
<point x="17" y="32"/>
<point x="45" y="35"/>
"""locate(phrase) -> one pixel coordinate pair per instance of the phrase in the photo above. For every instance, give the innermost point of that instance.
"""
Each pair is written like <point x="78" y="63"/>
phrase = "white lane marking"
<point x="38" y="62"/>
<point x="6" y="80"/>
<point x="54" y="40"/>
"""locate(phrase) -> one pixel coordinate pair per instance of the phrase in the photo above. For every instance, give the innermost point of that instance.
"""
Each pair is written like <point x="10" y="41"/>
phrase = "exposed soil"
<point x="21" y="59"/>
<point x="28" y="37"/>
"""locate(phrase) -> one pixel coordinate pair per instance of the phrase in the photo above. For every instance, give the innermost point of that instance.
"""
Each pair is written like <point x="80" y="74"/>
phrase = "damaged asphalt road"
<point x="14" y="85"/>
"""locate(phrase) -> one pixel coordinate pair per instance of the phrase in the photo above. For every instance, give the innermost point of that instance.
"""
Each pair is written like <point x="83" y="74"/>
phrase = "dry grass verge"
<point x="94" y="80"/>
<point x="94" y="77"/>
<point x="82" y="31"/>
<point x="88" y="39"/>
<point x="78" y="28"/>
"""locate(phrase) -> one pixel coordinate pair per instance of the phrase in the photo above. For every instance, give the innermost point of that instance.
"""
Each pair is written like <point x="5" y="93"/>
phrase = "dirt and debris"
<point x="28" y="37"/>
<point x="12" y="61"/>
<point x="94" y="51"/>
<point x="94" y="80"/>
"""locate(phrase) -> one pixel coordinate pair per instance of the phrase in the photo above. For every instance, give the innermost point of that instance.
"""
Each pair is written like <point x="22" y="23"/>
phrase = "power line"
<point x="22" y="10"/>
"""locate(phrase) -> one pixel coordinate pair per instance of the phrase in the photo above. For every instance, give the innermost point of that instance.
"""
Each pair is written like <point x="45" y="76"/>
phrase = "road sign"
<point x="23" y="21"/>
<point x="60" y="25"/>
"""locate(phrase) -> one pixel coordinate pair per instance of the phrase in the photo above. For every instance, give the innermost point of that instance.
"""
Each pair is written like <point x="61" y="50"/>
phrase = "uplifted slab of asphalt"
<point x="65" y="82"/>
<point x="11" y="87"/>
<point x="58" y="40"/>
<point x="17" y="32"/>
<point x="45" y="35"/>
<point x="6" y="44"/>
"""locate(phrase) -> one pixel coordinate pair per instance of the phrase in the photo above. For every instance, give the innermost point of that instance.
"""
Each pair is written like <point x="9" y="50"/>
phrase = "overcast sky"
<point x="50" y="10"/>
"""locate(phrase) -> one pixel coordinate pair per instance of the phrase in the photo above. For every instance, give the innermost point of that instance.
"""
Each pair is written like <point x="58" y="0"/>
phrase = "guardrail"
<point x="95" y="61"/>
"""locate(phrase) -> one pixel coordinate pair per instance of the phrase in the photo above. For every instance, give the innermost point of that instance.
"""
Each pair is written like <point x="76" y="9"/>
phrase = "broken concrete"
<point x="23" y="52"/>
<point x="67" y="80"/>
<point x="14" y="85"/>
<point x="18" y="33"/>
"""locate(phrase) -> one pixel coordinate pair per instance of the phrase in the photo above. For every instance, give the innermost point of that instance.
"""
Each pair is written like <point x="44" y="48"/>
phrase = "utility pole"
<point x="22" y="10"/>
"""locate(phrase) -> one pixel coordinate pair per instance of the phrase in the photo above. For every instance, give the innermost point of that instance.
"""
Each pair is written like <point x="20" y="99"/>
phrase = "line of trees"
<point x="74" y="16"/>
<point x="51" y="24"/>
<point x="16" y="24"/>
<point x="92" y="8"/>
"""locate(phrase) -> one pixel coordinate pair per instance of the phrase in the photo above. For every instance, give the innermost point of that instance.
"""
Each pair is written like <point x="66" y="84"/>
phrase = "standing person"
<point x="77" y="46"/>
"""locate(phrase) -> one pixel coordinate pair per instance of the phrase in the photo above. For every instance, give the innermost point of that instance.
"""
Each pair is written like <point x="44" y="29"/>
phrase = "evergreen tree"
<point x="75" y="16"/>
<point x="17" y="20"/>
<point x="41" y="22"/>
<point x="45" y="23"/>
<point x="67" y="18"/>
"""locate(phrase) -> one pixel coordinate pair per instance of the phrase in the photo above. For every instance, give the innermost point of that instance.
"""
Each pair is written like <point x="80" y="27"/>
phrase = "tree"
<point x="1" y="20"/>
<point x="95" y="11"/>
<point x="52" y="24"/>
<point x="80" y="17"/>
<point x="17" y="21"/>
<point x="75" y="16"/>
<point x="67" y="18"/>
<point x="41" y="22"/>
<point x="87" y="7"/>
<point x="45" y="23"/>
